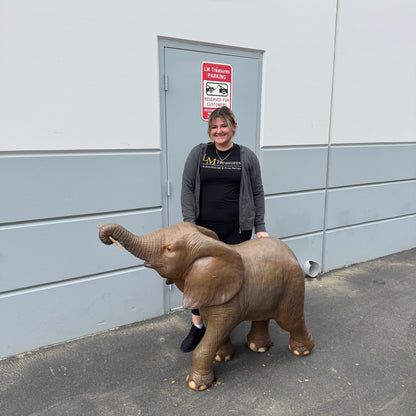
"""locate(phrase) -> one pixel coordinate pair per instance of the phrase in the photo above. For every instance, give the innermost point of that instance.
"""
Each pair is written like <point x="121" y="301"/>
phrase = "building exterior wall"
<point x="80" y="144"/>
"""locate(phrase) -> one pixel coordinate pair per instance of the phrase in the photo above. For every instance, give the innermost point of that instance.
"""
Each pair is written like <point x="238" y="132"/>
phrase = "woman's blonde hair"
<point x="225" y="114"/>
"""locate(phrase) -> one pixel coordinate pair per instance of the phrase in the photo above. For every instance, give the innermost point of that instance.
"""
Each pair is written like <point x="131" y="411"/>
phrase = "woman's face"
<point x="221" y="134"/>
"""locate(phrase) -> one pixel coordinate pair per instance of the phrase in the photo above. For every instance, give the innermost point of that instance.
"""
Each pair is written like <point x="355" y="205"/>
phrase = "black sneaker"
<point x="192" y="339"/>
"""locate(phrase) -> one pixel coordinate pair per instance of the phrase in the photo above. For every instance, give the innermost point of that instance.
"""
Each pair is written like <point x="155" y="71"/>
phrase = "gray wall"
<point x="336" y="206"/>
<point x="57" y="281"/>
<point x="343" y="204"/>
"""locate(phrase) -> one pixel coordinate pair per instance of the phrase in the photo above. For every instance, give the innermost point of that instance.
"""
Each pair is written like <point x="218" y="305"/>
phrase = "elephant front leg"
<point x="215" y="343"/>
<point x="258" y="339"/>
<point x="201" y="375"/>
<point x="200" y="380"/>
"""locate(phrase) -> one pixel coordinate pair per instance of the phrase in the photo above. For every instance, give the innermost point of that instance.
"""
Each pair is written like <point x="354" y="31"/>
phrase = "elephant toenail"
<point x="262" y="349"/>
<point x="192" y="385"/>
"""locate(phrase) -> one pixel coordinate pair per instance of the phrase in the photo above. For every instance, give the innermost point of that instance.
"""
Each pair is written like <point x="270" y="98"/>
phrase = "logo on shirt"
<point x="214" y="163"/>
<point x="208" y="161"/>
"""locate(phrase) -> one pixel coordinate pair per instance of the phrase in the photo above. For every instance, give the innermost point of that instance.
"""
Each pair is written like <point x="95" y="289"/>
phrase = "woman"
<point x="222" y="190"/>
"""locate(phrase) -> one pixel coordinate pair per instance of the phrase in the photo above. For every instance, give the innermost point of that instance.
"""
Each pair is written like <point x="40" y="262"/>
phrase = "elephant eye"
<point x="170" y="249"/>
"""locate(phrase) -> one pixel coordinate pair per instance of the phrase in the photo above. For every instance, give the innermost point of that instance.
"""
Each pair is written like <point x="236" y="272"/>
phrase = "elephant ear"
<point x="208" y="232"/>
<point x="215" y="277"/>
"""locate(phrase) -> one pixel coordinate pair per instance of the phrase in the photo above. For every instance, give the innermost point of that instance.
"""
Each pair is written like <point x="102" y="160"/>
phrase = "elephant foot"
<point x="225" y="352"/>
<point x="198" y="381"/>
<point x="301" y="348"/>
<point x="259" y="344"/>
<point x="258" y="339"/>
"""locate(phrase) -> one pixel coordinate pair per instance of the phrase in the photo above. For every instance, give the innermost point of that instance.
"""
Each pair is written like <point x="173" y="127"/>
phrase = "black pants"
<point x="228" y="235"/>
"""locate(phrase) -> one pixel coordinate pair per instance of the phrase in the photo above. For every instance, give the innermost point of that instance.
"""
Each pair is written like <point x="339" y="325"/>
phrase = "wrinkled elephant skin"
<point x="256" y="281"/>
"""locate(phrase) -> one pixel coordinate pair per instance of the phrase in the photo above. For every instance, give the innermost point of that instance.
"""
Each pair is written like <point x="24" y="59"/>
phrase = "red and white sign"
<point x="216" y="87"/>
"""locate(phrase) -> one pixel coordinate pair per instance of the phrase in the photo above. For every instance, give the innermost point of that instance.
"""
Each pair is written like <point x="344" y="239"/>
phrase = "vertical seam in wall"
<point x="260" y="66"/>
<point x="323" y="259"/>
<point x="162" y="45"/>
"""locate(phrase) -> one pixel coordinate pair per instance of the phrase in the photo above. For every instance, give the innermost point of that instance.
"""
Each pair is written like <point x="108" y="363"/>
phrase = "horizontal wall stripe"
<point x="293" y="169"/>
<point x="348" y="206"/>
<point x="295" y="214"/>
<point x="56" y="314"/>
<point x="368" y="241"/>
<point x="365" y="164"/>
<point x="58" y="185"/>
<point x="43" y="253"/>
<point x="75" y="280"/>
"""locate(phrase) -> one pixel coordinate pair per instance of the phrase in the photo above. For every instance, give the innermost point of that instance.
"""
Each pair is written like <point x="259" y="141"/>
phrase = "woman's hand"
<point x="262" y="234"/>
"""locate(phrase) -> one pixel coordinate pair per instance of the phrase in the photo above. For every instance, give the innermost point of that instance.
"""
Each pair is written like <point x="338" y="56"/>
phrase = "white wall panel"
<point x="72" y="76"/>
<point x="84" y="75"/>
<point x="298" y="61"/>
<point x="375" y="83"/>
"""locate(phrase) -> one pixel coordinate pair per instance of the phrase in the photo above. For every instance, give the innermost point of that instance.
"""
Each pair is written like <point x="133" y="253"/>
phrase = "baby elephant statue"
<point x="256" y="281"/>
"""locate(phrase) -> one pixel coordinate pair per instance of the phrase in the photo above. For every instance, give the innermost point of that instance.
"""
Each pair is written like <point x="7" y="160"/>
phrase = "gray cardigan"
<point x="251" y="200"/>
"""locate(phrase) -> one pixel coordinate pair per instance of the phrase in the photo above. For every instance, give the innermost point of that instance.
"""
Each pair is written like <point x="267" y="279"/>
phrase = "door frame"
<point x="163" y="43"/>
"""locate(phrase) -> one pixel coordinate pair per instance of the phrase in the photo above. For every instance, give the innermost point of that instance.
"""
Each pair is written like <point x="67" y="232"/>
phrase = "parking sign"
<point x="216" y="87"/>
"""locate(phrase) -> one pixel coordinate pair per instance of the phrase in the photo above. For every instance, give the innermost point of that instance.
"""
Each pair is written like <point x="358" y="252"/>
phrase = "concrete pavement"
<point x="363" y="319"/>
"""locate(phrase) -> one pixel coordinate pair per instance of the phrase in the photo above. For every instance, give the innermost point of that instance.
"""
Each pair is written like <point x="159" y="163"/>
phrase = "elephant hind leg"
<point x="258" y="339"/>
<point x="225" y="352"/>
<point x="301" y="342"/>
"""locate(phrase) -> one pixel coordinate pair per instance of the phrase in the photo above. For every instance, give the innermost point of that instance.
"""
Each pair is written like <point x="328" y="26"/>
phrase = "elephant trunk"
<point x="142" y="247"/>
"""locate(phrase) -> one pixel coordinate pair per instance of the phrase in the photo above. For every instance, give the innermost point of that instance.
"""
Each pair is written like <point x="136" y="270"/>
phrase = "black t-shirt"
<point x="220" y="174"/>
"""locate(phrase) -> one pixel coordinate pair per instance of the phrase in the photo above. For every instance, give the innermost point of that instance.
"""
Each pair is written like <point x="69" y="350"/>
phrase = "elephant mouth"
<point x="150" y="265"/>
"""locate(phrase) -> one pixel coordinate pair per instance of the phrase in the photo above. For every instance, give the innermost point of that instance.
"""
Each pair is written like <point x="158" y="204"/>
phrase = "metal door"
<point x="182" y="123"/>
